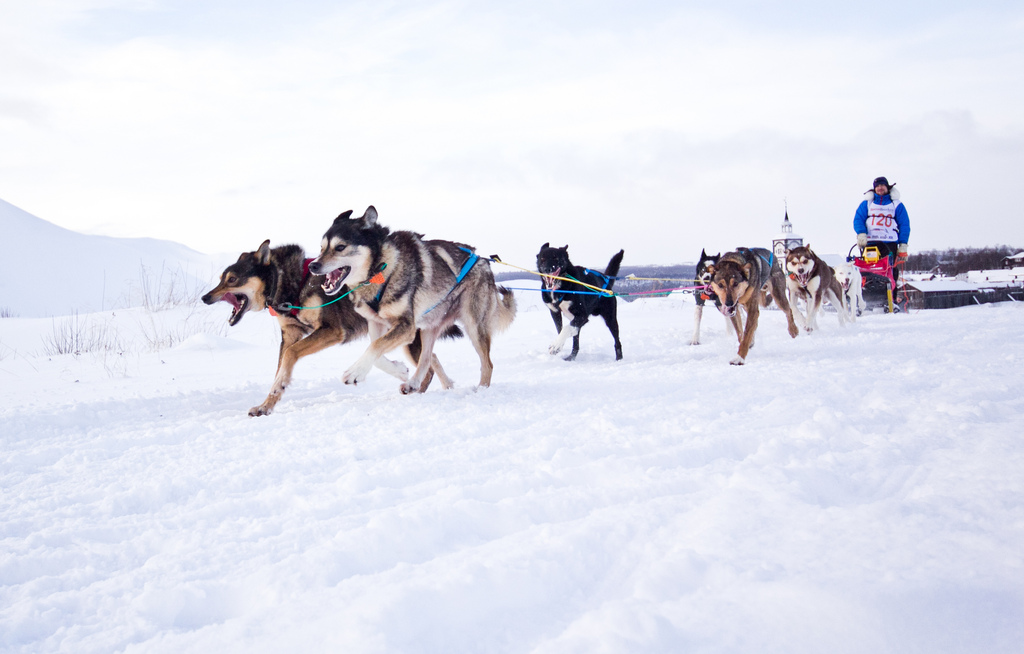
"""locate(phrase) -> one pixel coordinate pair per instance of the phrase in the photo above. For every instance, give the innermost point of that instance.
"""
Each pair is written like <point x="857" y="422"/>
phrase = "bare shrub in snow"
<point x="76" y="335"/>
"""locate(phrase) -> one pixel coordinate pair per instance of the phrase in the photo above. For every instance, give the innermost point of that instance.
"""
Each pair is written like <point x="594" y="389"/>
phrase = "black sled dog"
<point x="279" y="279"/>
<point x="702" y="292"/>
<point x="576" y="301"/>
<point x="425" y="286"/>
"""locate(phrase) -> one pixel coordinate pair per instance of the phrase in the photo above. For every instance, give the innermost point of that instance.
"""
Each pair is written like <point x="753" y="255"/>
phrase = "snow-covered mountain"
<point x="51" y="271"/>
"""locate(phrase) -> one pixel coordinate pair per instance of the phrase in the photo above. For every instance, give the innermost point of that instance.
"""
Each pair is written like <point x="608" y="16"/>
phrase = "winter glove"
<point x="901" y="251"/>
<point x="862" y="240"/>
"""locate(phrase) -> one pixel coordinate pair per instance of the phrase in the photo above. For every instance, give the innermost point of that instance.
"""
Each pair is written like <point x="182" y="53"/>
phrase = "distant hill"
<point x="51" y="271"/>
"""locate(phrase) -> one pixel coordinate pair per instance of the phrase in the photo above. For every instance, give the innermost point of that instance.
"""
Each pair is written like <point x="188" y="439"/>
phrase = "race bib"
<point x="882" y="222"/>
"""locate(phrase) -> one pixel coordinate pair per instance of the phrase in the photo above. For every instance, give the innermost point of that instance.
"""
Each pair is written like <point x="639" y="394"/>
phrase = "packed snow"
<point x="854" y="490"/>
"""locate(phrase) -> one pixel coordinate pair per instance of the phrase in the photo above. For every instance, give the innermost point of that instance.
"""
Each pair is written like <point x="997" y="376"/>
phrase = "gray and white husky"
<point x="400" y="283"/>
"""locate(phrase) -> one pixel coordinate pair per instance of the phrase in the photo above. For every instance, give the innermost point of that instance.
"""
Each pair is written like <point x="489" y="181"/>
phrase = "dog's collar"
<point x="293" y="312"/>
<point x="375" y="302"/>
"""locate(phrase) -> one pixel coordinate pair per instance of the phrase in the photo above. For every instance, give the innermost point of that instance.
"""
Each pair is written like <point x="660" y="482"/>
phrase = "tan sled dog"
<point x="744" y="278"/>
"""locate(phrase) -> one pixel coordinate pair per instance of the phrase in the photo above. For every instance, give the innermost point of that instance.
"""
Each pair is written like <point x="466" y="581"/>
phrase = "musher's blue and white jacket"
<point x="882" y="218"/>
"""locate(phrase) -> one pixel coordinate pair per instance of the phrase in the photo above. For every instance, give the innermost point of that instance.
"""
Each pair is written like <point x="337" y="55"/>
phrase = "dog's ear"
<point x="566" y="248"/>
<point x="263" y="253"/>
<point x="369" y="217"/>
<point x="344" y="215"/>
<point x="545" y="246"/>
<point x="748" y="271"/>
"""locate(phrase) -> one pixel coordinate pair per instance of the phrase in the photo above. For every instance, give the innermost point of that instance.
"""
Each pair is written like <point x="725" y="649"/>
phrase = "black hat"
<point x="881" y="180"/>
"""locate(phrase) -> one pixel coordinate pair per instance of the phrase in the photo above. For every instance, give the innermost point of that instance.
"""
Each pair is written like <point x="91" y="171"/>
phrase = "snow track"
<point x="856" y="490"/>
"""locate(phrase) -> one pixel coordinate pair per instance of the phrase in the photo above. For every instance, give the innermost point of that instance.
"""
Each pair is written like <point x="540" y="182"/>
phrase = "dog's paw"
<point x="407" y="389"/>
<point x="353" y="377"/>
<point x="554" y="348"/>
<point x="396" y="369"/>
<point x="738" y="361"/>
<point x="794" y="331"/>
<point x="261" y="410"/>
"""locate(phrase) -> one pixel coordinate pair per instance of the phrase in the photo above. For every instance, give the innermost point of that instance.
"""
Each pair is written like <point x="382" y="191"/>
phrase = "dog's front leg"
<point x="556" y="316"/>
<point x="753" y="312"/>
<point x="563" y="335"/>
<point x="814" y="302"/>
<point x="402" y="332"/>
<point x="577" y="324"/>
<point x="839" y="302"/>
<point x="796" y="314"/>
<point x="396" y="369"/>
<point x="779" y="291"/>
<point x="296" y="348"/>
<point x="427" y="339"/>
<point x="698" y="312"/>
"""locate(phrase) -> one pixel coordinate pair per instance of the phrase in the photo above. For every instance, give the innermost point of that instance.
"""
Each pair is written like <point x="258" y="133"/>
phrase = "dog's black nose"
<point x="207" y="299"/>
<point x="314" y="267"/>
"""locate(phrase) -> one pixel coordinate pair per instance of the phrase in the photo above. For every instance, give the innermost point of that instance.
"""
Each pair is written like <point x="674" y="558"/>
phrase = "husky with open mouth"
<point x="810" y="279"/>
<point x="400" y="282"/>
<point x="279" y="279"/>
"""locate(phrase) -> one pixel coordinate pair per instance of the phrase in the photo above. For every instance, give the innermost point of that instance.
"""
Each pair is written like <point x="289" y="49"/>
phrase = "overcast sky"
<point x="658" y="127"/>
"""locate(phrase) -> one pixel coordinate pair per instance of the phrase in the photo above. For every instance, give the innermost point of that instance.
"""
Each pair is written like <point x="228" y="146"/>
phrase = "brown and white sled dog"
<point x="744" y="279"/>
<point x="279" y="278"/>
<point x="852" y="283"/>
<point x="810" y="279"/>
<point x="426" y="285"/>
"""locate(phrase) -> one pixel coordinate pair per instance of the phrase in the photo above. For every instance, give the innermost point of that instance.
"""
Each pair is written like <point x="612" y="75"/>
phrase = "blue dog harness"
<point x="466" y="267"/>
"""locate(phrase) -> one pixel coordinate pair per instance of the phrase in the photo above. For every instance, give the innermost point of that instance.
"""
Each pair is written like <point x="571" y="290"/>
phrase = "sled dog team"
<point x="406" y="292"/>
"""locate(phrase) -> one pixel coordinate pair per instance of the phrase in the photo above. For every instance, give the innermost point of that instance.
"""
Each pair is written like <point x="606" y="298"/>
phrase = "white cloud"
<point x="493" y="126"/>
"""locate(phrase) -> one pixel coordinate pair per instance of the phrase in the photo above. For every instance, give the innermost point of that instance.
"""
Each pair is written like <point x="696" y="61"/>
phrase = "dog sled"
<point x="880" y="287"/>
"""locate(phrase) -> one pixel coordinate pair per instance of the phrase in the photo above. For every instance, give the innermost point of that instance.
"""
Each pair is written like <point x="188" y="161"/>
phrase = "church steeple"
<point x="787" y="240"/>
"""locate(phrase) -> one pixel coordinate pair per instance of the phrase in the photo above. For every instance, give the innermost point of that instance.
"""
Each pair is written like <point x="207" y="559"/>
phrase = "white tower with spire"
<point x="787" y="240"/>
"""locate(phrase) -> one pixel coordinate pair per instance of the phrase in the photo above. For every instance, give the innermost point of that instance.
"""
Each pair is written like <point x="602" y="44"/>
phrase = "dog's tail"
<point x="613" y="268"/>
<point x="451" y="333"/>
<point x="502" y="318"/>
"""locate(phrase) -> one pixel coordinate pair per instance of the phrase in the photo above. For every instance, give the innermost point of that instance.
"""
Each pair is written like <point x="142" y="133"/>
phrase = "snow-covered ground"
<point x="856" y="490"/>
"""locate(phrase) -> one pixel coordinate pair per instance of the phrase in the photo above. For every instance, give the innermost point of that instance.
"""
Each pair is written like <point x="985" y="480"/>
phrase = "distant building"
<point x="787" y="240"/>
<point x="1014" y="261"/>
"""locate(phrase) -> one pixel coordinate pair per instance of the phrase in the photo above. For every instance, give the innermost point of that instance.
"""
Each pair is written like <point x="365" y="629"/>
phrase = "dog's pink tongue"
<point x="231" y="299"/>
<point x="549" y="282"/>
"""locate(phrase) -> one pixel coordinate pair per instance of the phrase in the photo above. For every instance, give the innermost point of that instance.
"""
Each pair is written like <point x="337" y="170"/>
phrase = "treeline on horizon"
<point x="954" y="261"/>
